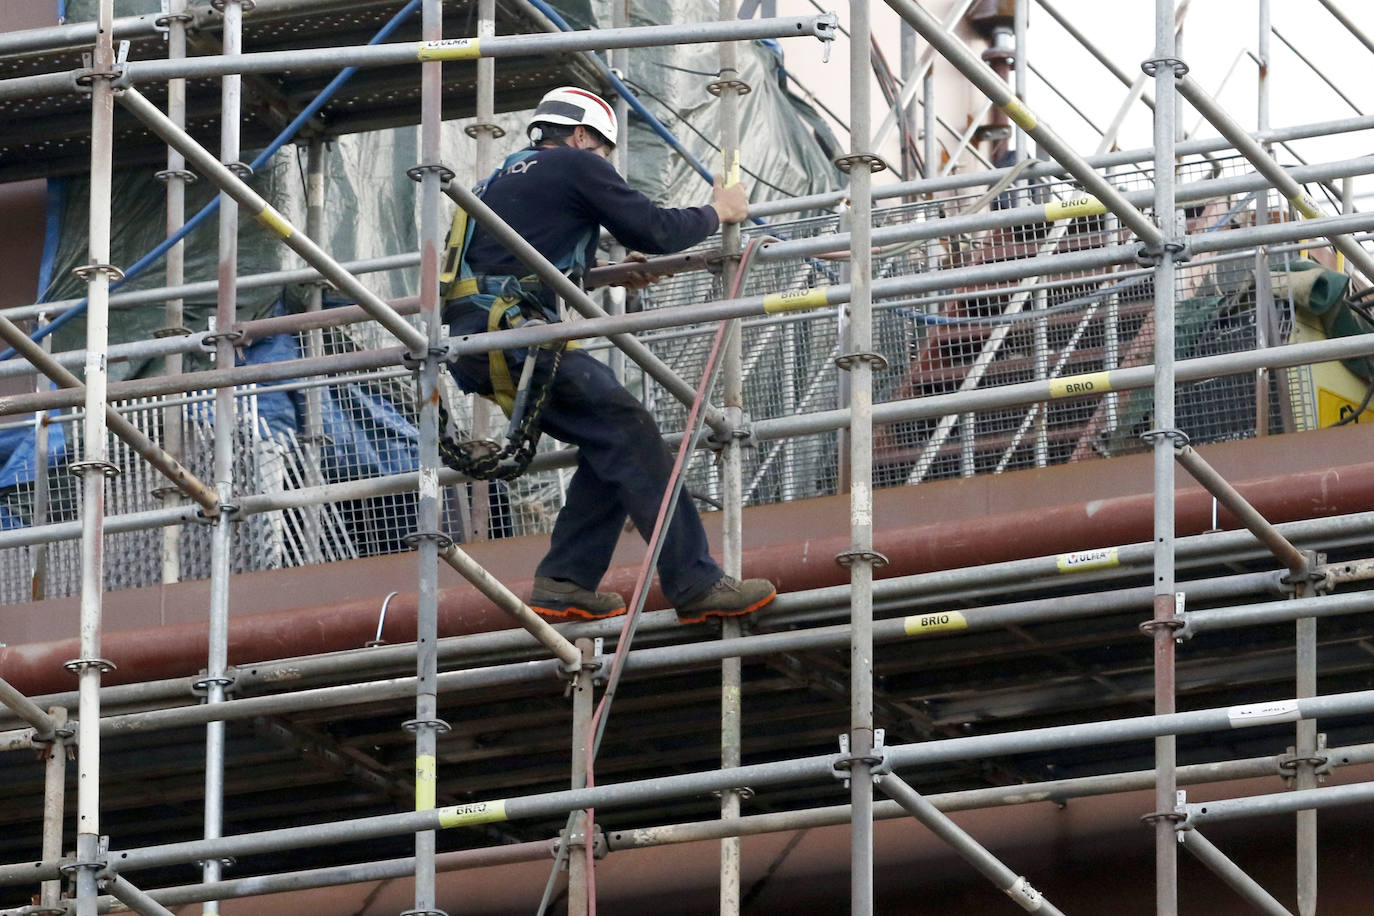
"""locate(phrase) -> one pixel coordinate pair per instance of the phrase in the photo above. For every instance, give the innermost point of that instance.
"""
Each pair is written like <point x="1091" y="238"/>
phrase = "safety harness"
<point x="510" y="302"/>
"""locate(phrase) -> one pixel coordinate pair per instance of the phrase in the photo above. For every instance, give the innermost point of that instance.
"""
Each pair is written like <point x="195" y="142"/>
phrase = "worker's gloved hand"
<point x="636" y="280"/>
<point x="731" y="204"/>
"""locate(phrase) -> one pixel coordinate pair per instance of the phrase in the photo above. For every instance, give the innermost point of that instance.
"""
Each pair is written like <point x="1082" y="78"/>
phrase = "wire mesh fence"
<point x="338" y="430"/>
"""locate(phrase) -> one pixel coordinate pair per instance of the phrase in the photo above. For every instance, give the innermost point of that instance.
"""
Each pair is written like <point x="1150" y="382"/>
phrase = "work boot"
<point x="563" y="599"/>
<point x="728" y="597"/>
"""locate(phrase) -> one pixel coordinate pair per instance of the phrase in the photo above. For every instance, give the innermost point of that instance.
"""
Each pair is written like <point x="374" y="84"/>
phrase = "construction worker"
<point x="557" y="194"/>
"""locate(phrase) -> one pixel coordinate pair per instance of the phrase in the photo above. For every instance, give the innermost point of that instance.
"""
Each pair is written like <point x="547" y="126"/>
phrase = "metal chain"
<point x="512" y="459"/>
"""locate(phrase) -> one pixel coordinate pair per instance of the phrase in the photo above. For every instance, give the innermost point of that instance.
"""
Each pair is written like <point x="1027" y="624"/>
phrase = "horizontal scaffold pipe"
<point x="1056" y="791"/>
<point x="781" y="428"/>
<point x="270" y="220"/>
<point x="1088" y="569"/>
<point x="251" y="331"/>
<point x="1078" y="206"/>
<point x="787" y="610"/>
<point x="1229" y="809"/>
<point x="1046" y="169"/>
<point x="1265" y="164"/>
<point x="1230" y="618"/>
<point x="356" y="361"/>
<point x="304" y="60"/>
<point x="995" y="88"/>
<point x="208" y="288"/>
<point x="203" y="18"/>
<point x="887" y="592"/>
<point x="165" y="463"/>
<point x="814" y="769"/>
<point x="1096" y="383"/>
<point x="749" y="306"/>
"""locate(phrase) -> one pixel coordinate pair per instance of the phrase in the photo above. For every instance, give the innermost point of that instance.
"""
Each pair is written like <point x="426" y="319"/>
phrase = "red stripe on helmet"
<point x="595" y="98"/>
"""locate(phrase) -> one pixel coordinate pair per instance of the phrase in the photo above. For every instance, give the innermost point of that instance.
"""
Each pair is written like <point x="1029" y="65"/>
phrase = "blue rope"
<point x="212" y="207"/>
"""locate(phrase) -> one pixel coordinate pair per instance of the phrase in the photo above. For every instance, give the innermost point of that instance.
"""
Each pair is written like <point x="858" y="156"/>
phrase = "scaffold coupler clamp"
<point x="1151" y="66"/>
<point x="417" y="173"/>
<point x="596" y="666"/>
<point x="850" y="161"/>
<point x="100" y="864"/>
<point x="36" y="910"/>
<point x="1149" y="256"/>
<point x="739" y="430"/>
<point x="78" y="665"/>
<point x="163" y="23"/>
<point x="415" y="362"/>
<point x="1180" y="817"/>
<point x="729" y="79"/>
<point x="847" y="361"/>
<point x="1178" y="623"/>
<point x="60" y="740"/>
<point x="576" y="839"/>
<point x="203" y="682"/>
<point x="414" y="725"/>
<point x="827" y="27"/>
<point x="1177" y="436"/>
<point x="1319" y="760"/>
<point x="84" y="78"/>
<point x="1313" y="579"/>
<point x="246" y="6"/>
<point x="108" y="469"/>
<point x="878" y="766"/>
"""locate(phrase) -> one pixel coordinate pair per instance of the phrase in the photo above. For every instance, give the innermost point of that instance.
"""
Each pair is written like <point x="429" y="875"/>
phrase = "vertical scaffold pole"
<point x="176" y="177"/>
<point x="907" y="47"/>
<point x="729" y="89"/>
<point x="1264" y="296"/>
<point x="860" y="361"/>
<point x="221" y="543"/>
<point x="485" y="132"/>
<point x="583" y="705"/>
<point x="427" y="724"/>
<point x="93" y="468"/>
<point x="54" y="805"/>
<point x="1020" y="23"/>
<point x="314" y="345"/>
<point x="1165" y="69"/>
<point x="620" y="63"/>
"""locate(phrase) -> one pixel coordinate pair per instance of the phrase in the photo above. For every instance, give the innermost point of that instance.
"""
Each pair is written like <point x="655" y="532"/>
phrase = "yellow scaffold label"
<point x="796" y="300"/>
<point x="450" y="49"/>
<point x="1305" y="205"/>
<point x="425" y="774"/>
<point x="1087" y="205"/>
<point x="1020" y="114"/>
<point x="1082" y="560"/>
<point x="275" y="222"/>
<point x="1076" y="385"/>
<point x="921" y="624"/>
<point x="730" y="169"/>
<point x="475" y="813"/>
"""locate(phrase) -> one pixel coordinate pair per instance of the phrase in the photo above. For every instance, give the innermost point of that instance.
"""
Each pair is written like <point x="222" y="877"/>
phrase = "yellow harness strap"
<point x="503" y="387"/>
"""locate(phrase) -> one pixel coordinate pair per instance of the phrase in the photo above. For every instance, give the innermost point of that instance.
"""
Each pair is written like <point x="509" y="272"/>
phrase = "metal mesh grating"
<point x="955" y="339"/>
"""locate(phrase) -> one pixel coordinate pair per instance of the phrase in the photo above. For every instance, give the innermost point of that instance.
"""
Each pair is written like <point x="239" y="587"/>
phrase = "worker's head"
<point x="569" y="116"/>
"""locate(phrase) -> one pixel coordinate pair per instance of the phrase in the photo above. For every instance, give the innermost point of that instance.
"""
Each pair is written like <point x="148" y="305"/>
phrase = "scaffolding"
<point x="942" y="327"/>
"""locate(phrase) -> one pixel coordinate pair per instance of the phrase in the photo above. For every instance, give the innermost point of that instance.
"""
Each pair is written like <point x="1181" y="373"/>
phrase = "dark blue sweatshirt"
<point x="559" y="195"/>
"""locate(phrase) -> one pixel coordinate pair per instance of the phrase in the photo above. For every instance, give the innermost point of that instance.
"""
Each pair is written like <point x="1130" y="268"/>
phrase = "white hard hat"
<point x="572" y="106"/>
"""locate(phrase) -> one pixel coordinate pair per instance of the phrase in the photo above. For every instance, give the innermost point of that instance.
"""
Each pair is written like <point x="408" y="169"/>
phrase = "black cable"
<point x="1354" y="416"/>
<point x="715" y="74"/>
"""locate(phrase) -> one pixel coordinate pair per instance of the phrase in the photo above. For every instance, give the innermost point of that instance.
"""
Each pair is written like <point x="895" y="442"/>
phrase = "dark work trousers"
<point x="622" y="469"/>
